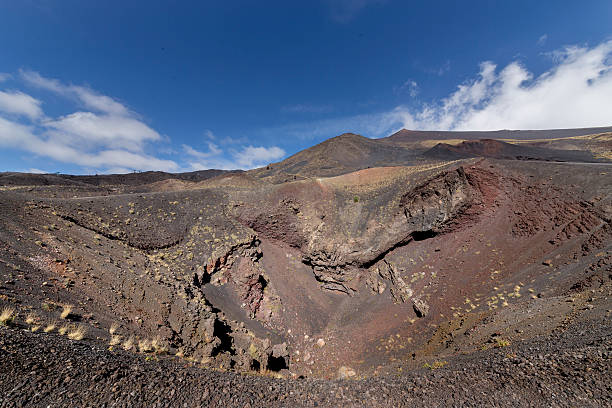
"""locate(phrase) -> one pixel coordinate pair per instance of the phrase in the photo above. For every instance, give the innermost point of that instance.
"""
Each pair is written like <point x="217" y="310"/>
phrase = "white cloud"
<point x="213" y="151"/>
<point x="23" y="137"/>
<point x="247" y="157"/>
<point x="13" y="134"/>
<point x="466" y="98"/>
<point x="128" y="160"/>
<point x="251" y="156"/>
<point x="87" y="128"/>
<point x="34" y="78"/>
<point x="575" y="92"/>
<point x="101" y="103"/>
<point x="88" y="97"/>
<point x="109" y="138"/>
<point x="37" y="171"/>
<point x="18" y="103"/>
<point x="4" y="76"/>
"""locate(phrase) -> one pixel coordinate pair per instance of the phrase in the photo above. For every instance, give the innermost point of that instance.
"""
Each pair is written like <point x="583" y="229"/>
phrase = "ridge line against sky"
<point x="50" y="124"/>
<point x="110" y="137"/>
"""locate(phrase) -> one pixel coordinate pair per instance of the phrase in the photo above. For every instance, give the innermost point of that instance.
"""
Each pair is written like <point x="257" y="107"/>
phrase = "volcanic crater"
<point x="374" y="267"/>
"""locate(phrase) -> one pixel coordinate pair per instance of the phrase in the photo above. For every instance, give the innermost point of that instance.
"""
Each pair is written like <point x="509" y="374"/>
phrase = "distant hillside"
<point x="132" y="179"/>
<point x="340" y="155"/>
<point x="350" y="152"/>
<point x="146" y="177"/>
<point x="501" y="150"/>
<point x="409" y="136"/>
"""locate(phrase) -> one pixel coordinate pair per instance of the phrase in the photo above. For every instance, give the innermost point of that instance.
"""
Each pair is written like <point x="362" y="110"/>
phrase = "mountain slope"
<point x="339" y="155"/>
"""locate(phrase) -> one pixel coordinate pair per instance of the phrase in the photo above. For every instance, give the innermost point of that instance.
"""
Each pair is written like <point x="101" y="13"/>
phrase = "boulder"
<point x="421" y="308"/>
<point x="280" y="350"/>
<point x="345" y="372"/>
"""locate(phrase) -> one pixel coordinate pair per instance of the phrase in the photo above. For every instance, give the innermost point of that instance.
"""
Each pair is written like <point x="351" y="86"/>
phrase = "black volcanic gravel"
<point x="568" y="369"/>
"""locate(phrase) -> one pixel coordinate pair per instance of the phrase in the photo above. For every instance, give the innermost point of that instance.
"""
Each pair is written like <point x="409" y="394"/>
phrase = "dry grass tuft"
<point x="502" y="343"/>
<point x="7" y="316"/>
<point x="113" y="329"/>
<point x="129" y="343"/>
<point x="435" y="365"/>
<point x="31" y="318"/>
<point x="34" y="328"/>
<point x="66" y="311"/>
<point x="159" y="346"/>
<point x="264" y="372"/>
<point x="115" y="340"/>
<point x="144" y="346"/>
<point x="49" y="328"/>
<point x="63" y="330"/>
<point x="77" y="332"/>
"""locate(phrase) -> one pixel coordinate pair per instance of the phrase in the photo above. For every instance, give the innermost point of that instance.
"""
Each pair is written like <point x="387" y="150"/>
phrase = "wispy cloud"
<point x="254" y="156"/>
<point x="18" y="103"/>
<point x="247" y="157"/>
<point x="410" y="87"/>
<point x="88" y="97"/>
<point x="213" y="150"/>
<point x="4" y="76"/>
<point x="343" y="11"/>
<point x="372" y="125"/>
<point x="90" y="129"/>
<point x="542" y="39"/>
<point x="441" y="70"/>
<point x="307" y="108"/>
<point x="433" y="70"/>
<point x="36" y="171"/>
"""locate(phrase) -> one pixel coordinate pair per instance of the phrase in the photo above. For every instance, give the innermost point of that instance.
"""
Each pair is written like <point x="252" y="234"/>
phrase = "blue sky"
<point x="93" y="87"/>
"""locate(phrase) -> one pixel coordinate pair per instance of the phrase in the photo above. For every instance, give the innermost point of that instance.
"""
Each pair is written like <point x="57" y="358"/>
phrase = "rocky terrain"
<point x="444" y="268"/>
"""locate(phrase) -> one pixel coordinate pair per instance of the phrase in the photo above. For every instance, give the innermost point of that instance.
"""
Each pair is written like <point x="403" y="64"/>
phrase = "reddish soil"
<point x="296" y="270"/>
